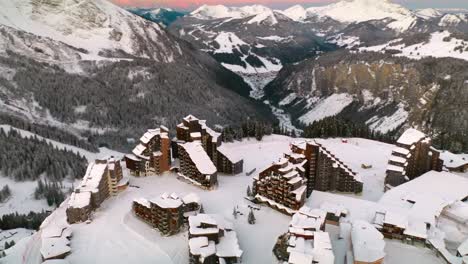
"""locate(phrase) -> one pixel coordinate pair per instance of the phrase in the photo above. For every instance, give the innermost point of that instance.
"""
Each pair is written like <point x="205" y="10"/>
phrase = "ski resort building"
<point x="212" y="240"/>
<point x="306" y="241"/>
<point x="166" y="212"/>
<point x="196" y="166"/>
<point x="281" y="186"/>
<point x="193" y="129"/>
<point x="412" y="157"/>
<point x="152" y="156"/>
<point x="308" y="166"/>
<point x="326" y="172"/>
<point x="368" y="244"/>
<point x="102" y="179"/>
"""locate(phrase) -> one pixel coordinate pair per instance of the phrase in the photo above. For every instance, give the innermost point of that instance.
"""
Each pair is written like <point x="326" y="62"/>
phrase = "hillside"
<point x="74" y="72"/>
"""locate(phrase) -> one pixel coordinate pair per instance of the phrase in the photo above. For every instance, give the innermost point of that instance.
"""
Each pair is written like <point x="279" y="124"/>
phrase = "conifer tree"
<point x="251" y="218"/>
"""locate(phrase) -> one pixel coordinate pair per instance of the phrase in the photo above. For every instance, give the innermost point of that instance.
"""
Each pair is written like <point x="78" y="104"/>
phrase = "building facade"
<point x="193" y="129"/>
<point x="281" y="186"/>
<point x="326" y="172"/>
<point x="166" y="212"/>
<point x="308" y="166"/>
<point x="196" y="166"/>
<point x="102" y="179"/>
<point x="152" y="156"/>
<point x="412" y="157"/>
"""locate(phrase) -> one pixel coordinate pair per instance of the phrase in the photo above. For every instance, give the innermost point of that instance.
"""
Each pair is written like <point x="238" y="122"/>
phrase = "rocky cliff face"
<point x="385" y="92"/>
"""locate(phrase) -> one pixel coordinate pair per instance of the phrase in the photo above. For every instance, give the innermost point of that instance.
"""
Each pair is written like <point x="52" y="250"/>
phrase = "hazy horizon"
<point x="193" y="4"/>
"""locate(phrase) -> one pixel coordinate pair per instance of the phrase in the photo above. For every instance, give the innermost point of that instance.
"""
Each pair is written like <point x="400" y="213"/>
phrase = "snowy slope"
<point x="350" y="11"/>
<point x="22" y="200"/>
<point x="440" y="45"/>
<point x="94" y="26"/>
<point x="221" y="11"/>
<point x="115" y="229"/>
<point x="428" y="13"/>
<point x="296" y="13"/>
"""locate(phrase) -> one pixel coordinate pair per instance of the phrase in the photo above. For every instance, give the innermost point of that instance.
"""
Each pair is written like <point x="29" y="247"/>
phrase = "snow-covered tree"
<point x="249" y="192"/>
<point x="251" y="218"/>
<point x="202" y="210"/>
<point x="234" y="212"/>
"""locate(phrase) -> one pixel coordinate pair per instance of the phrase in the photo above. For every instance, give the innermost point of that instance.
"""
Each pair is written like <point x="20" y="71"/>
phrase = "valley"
<point x="328" y="131"/>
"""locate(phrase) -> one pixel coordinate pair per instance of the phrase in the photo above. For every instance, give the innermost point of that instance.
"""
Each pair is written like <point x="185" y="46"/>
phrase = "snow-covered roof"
<point x="453" y="161"/>
<point x="93" y="177"/>
<point x="191" y="198"/>
<point x="391" y="167"/>
<point x="425" y="197"/>
<point x="138" y="150"/>
<point x="228" y="246"/>
<point x="142" y="201"/>
<point x="299" y="192"/>
<point x="54" y="247"/>
<point x="401" y="150"/>
<point x="306" y="251"/>
<point x="307" y="220"/>
<point x="190" y="118"/>
<point x="199" y="157"/>
<point x="411" y="136"/>
<point x="196" y="221"/>
<point x="233" y="157"/>
<point x="79" y="199"/>
<point x="149" y="134"/>
<point x="201" y="246"/>
<point x="367" y="241"/>
<point x="132" y="157"/>
<point x="167" y="201"/>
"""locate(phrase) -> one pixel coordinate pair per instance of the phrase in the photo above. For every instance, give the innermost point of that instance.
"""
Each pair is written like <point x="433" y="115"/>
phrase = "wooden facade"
<point x="282" y="184"/>
<point x="152" y="156"/>
<point x="325" y="172"/>
<point x="411" y="159"/>
<point x="193" y="129"/>
<point x="189" y="169"/>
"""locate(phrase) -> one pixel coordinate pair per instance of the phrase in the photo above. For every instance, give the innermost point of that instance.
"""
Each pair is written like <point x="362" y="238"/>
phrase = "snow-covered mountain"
<point x="164" y="16"/>
<point x="428" y="13"/>
<point x="97" y="27"/>
<point x="66" y="63"/>
<point x="249" y="40"/>
<point x="221" y="11"/>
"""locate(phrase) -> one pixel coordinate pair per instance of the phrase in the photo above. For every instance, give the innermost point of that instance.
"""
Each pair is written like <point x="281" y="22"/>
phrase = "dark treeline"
<point x="30" y="221"/>
<point x="247" y="129"/>
<point x="455" y="141"/>
<point x="5" y="193"/>
<point x="51" y="191"/>
<point x="47" y="132"/>
<point x="338" y="127"/>
<point x="29" y="158"/>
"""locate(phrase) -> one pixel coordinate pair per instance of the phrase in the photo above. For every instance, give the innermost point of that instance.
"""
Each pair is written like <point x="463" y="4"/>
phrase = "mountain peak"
<point x="221" y="11"/>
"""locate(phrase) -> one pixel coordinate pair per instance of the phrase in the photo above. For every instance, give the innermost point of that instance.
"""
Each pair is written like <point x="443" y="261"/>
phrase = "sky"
<point x="192" y="4"/>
